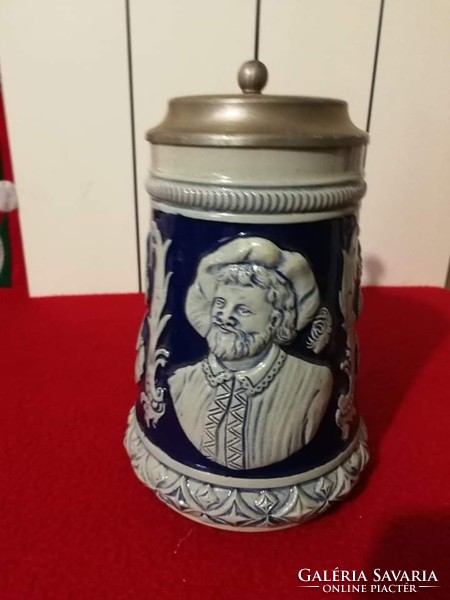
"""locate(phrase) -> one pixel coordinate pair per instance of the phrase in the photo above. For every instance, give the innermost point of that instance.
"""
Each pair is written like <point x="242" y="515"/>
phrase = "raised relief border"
<point x="249" y="509"/>
<point x="282" y="200"/>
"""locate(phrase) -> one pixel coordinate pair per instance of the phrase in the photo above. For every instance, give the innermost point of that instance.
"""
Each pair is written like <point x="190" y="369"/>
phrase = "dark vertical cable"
<point x="257" y="22"/>
<point x="133" y="142"/>
<point x="375" y="65"/>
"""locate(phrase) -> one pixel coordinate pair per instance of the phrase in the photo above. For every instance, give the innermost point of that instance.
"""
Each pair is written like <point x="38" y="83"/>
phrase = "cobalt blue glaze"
<point x="321" y="243"/>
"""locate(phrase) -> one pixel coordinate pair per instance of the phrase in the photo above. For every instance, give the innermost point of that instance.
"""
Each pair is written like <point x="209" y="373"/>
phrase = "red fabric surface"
<point x="77" y="524"/>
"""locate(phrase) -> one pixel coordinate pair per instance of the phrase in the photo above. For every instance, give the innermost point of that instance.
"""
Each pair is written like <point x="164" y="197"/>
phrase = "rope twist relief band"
<point x="267" y="200"/>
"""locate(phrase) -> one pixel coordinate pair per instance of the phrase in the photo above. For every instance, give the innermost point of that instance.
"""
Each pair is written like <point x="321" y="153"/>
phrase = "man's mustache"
<point x="228" y="328"/>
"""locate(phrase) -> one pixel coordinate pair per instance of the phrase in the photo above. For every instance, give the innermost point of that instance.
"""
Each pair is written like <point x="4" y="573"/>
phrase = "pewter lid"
<point x="254" y="120"/>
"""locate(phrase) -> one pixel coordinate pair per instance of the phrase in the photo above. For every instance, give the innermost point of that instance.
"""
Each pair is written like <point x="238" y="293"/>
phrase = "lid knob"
<point x="252" y="77"/>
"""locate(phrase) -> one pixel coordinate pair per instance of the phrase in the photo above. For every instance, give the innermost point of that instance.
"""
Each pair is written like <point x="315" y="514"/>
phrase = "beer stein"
<point x="245" y="415"/>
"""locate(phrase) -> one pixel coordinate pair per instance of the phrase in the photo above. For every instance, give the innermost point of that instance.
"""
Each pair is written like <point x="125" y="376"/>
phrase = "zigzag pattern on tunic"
<point x="234" y="447"/>
<point x="215" y="414"/>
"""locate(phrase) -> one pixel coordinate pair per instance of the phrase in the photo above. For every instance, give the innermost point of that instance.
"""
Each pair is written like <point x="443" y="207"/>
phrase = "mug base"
<point x="236" y="508"/>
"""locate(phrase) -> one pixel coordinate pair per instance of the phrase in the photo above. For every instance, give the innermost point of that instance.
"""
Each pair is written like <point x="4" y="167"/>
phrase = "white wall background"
<point x="77" y="75"/>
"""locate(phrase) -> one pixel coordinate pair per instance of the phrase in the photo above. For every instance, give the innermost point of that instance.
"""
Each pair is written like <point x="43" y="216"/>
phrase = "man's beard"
<point x="235" y="344"/>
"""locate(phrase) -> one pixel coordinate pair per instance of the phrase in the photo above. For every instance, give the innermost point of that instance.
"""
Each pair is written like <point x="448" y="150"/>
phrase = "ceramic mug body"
<point x="247" y="356"/>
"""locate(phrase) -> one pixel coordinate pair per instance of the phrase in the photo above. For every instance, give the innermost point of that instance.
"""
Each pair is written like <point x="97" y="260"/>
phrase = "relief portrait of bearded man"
<point x="249" y="403"/>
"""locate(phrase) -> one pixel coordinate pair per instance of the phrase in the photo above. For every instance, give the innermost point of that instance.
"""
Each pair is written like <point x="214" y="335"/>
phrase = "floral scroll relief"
<point x="350" y="303"/>
<point x="152" y="399"/>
